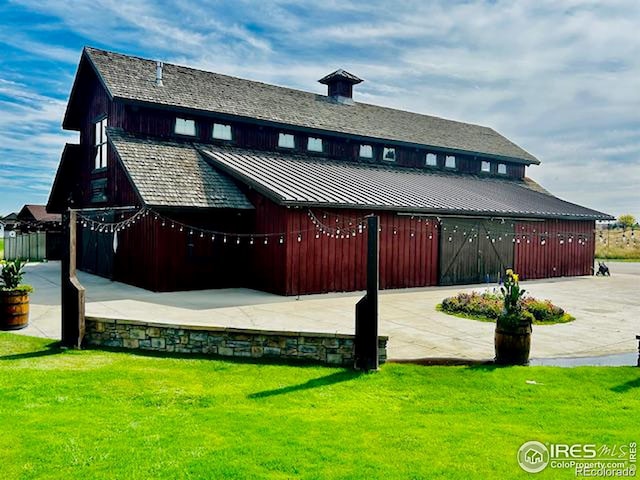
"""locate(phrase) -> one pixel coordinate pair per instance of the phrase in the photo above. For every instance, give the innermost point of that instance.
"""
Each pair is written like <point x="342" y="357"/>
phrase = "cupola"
<point x="340" y="85"/>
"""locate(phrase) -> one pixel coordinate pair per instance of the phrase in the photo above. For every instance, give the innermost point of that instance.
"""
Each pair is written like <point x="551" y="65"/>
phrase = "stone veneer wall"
<point x="329" y="348"/>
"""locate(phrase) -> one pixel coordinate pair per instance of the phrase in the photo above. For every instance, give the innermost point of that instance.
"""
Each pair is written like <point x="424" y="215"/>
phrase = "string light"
<point x="345" y="227"/>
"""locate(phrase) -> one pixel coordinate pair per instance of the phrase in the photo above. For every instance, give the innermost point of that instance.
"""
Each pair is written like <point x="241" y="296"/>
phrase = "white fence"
<point x="31" y="246"/>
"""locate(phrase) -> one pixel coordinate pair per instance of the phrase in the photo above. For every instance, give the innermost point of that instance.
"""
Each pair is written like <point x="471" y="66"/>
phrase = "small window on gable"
<point x="100" y="128"/>
<point x="502" y="169"/>
<point x="450" y="161"/>
<point x="389" y="154"/>
<point x="314" y="144"/>
<point x="221" y="131"/>
<point x="431" y="160"/>
<point x="185" y="127"/>
<point x="366" y="151"/>
<point x="486" y="166"/>
<point x="286" y="140"/>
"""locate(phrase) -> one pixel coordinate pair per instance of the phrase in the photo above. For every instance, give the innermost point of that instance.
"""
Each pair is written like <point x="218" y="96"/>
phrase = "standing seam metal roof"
<point x="300" y="180"/>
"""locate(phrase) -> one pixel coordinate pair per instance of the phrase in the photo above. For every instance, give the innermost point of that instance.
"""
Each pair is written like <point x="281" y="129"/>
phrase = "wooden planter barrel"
<point x="14" y="310"/>
<point x="513" y="345"/>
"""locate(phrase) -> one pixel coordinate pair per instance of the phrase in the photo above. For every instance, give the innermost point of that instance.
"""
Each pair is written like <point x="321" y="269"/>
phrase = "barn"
<point x="185" y="179"/>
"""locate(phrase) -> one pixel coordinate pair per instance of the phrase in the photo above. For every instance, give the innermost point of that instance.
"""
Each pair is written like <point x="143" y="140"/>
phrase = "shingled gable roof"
<point x="172" y="174"/>
<point x="133" y="79"/>
<point x="299" y="180"/>
<point x="38" y="213"/>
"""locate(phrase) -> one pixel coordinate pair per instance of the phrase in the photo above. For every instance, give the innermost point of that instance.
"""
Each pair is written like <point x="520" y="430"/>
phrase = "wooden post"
<point x="366" y="341"/>
<point x="72" y="293"/>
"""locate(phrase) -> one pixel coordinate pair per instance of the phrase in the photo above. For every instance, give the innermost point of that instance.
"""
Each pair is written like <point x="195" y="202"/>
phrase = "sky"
<point x="559" y="78"/>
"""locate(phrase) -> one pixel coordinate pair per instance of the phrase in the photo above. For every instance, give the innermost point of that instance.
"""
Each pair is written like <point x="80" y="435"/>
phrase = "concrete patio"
<point x="607" y="312"/>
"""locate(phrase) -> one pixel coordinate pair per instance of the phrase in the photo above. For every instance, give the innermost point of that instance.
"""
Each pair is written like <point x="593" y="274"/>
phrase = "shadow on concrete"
<point x="45" y="279"/>
<point x="625" y="387"/>
<point x="52" y="349"/>
<point x="331" y="379"/>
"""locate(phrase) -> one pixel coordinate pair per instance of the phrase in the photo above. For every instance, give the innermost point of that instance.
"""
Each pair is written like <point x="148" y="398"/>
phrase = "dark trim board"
<point x="317" y="131"/>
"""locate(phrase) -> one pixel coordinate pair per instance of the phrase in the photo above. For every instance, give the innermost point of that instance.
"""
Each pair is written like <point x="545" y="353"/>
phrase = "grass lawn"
<point x="611" y="244"/>
<point x="104" y="415"/>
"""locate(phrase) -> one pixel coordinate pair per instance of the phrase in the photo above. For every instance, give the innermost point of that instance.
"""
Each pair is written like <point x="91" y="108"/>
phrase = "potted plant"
<point x="513" y="325"/>
<point x="14" y="296"/>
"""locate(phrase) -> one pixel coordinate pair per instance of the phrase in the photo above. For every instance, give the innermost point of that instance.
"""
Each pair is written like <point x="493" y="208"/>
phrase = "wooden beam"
<point x="366" y="341"/>
<point x="72" y="292"/>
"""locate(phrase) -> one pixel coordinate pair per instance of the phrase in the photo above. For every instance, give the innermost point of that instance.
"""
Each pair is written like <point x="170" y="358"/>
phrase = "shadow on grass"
<point x="443" y="362"/>
<point x="625" y="387"/>
<point x="52" y="349"/>
<point x="331" y="379"/>
<point x="275" y="361"/>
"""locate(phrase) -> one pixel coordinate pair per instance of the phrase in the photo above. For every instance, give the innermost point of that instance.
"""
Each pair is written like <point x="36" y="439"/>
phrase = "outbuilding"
<point x="186" y="179"/>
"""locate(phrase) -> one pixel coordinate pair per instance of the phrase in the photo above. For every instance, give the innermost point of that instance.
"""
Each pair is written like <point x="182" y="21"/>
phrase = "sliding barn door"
<point x="474" y="251"/>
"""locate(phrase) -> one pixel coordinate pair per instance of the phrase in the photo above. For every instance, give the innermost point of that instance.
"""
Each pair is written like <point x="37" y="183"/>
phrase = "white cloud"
<point x="558" y="78"/>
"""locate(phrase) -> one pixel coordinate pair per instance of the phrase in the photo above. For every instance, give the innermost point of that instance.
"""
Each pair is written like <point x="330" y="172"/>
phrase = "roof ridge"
<point x="131" y="78"/>
<point x="298" y="90"/>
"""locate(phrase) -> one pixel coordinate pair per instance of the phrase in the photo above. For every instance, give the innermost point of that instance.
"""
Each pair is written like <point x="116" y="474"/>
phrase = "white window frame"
<point x="502" y="168"/>
<point x="485" y="166"/>
<point x="386" y="151"/>
<point x="100" y="130"/>
<point x="286" y="140"/>
<point x="429" y="158"/>
<point x="222" y="132"/>
<point x="450" y="161"/>
<point x="366" y="151"/>
<point x="312" y="144"/>
<point x="185" y="126"/>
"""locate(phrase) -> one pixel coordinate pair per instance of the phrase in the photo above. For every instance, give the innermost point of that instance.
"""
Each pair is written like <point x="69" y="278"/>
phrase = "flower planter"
<point x="14" y="310"/>
<point x="513" y="345"/>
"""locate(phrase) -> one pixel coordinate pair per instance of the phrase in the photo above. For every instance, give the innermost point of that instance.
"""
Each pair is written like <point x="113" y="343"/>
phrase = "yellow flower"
<point x="515" y="277"/>
<point x="509" y="271"/>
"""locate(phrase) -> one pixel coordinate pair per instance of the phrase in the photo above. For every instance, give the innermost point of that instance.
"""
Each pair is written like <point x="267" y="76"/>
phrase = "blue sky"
<point x="561" y="79"/>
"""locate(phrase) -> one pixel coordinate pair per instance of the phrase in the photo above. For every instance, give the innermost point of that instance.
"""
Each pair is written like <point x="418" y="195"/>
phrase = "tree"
<point x="627" y="221"/>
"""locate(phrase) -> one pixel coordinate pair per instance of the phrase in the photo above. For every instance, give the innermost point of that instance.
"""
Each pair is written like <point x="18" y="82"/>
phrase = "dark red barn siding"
<point x="554" y="248"/>
<point x="268" y="256"/>
<point x="408" y="257"/>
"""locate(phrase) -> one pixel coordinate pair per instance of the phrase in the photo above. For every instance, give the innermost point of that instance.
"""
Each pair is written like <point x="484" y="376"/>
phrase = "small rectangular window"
<point x="486" y="166"/>
<point x="366" y="151"/>
<point x="502" y="169"/>
<point x="185" y="127"/>
<point x="314" y="144"/>
<point x="99" y="190"/>
<point x="450" y="161"/>
<point x="431" y="160"/>
<point x="222" y="131"/>
<point x="389" y="154"/>
<point x="286" y="140"/>
<point x="101" y="143"/>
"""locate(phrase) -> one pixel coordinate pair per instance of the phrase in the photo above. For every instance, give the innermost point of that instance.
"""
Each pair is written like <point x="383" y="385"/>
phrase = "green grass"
<point x="624" y="260"/>
<point x="566" y="318"/>
<point x="105" y="415"/>
<point x="610" y="245"/>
